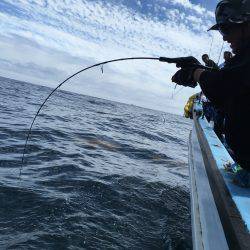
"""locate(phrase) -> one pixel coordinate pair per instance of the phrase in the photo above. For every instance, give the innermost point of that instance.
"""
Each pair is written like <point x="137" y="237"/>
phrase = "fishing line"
<point x="178" y="91"/>
<point x="220" y="53"/>
<point x="70" y="77"/>
<point x="211" y="45"/>
<point x="172" y="96"/>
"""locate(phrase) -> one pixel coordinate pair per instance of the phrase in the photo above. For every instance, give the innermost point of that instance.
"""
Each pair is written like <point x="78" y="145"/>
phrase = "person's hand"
<point x="185" y="77"/>
<point x="182" y="62"/>
<point x="188" y="61"/>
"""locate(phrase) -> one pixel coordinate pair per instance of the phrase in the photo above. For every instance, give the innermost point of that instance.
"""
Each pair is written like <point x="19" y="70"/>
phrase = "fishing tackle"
<point x="174" y="93"/>
<point x="179" y="61"/>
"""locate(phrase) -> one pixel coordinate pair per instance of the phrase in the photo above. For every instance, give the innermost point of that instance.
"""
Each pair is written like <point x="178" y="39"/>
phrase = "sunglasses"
<point x="226" y="29"/>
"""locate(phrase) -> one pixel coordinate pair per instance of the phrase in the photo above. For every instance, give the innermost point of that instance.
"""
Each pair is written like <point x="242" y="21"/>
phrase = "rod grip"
<point x="167" y="59"/>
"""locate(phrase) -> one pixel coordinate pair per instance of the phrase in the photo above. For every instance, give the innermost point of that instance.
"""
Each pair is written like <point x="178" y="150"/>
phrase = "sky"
<point x="45" y="41"/>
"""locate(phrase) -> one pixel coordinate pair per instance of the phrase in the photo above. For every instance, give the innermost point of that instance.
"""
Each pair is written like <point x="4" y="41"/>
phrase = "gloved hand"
<point x="181" y="62"/>
<point x="188" y="61"/>
<point x="184" y="77"/>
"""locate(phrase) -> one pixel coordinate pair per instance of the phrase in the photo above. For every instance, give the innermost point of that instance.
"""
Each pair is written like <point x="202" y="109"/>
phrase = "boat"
<point x="220" y="210"/>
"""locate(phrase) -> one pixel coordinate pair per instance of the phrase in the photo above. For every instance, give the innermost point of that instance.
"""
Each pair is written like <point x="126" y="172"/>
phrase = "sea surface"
<point x="97" y="174"/>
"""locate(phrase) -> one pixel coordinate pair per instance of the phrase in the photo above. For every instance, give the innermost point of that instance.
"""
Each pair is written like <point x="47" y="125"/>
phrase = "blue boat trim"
<point x="213" y="192"/>
<point x="207" y="230"/>
<point x="241" y="196"/>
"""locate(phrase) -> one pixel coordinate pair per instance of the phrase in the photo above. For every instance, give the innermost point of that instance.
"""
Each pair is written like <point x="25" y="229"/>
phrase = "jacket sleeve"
<point x="225" y="84"/>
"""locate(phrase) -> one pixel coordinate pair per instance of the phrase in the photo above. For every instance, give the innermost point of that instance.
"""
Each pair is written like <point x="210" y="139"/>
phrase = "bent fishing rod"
<point x="179" y="61"/>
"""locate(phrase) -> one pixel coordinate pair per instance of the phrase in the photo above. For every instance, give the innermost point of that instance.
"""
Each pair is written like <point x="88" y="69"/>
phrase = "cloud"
<point x="194" y="7"/>
<point x="48" y="40"/>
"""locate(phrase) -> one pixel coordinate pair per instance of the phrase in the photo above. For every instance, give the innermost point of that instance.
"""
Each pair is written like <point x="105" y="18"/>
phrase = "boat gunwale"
<point x="234" y="227"/>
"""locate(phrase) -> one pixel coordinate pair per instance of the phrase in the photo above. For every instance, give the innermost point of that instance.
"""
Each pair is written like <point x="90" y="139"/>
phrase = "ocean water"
<point x="97" y="174"/>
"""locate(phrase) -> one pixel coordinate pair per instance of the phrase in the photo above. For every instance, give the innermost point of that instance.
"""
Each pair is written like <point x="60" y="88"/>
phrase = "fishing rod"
<point x="179" y="61"/>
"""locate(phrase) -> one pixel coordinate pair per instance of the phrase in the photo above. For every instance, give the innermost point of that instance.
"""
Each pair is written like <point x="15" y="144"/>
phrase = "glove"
<point x="184" y="62"/>
<point x="181" y="62"/>
<point x="184" y="77"/>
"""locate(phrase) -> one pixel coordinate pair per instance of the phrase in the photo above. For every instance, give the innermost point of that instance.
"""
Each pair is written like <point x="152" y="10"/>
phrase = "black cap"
<point x="214" y="27"/>
<point x="231" y="11"/>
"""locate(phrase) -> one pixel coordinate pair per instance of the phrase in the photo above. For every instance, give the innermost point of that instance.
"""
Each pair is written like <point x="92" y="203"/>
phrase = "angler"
<point x="229" y="88"/>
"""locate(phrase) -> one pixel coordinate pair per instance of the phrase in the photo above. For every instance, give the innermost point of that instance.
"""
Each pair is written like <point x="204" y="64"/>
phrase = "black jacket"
<point x="229" y="90"/>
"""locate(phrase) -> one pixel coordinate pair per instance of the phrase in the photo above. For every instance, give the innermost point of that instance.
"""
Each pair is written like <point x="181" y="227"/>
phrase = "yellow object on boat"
<point x="188" y="109"/>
